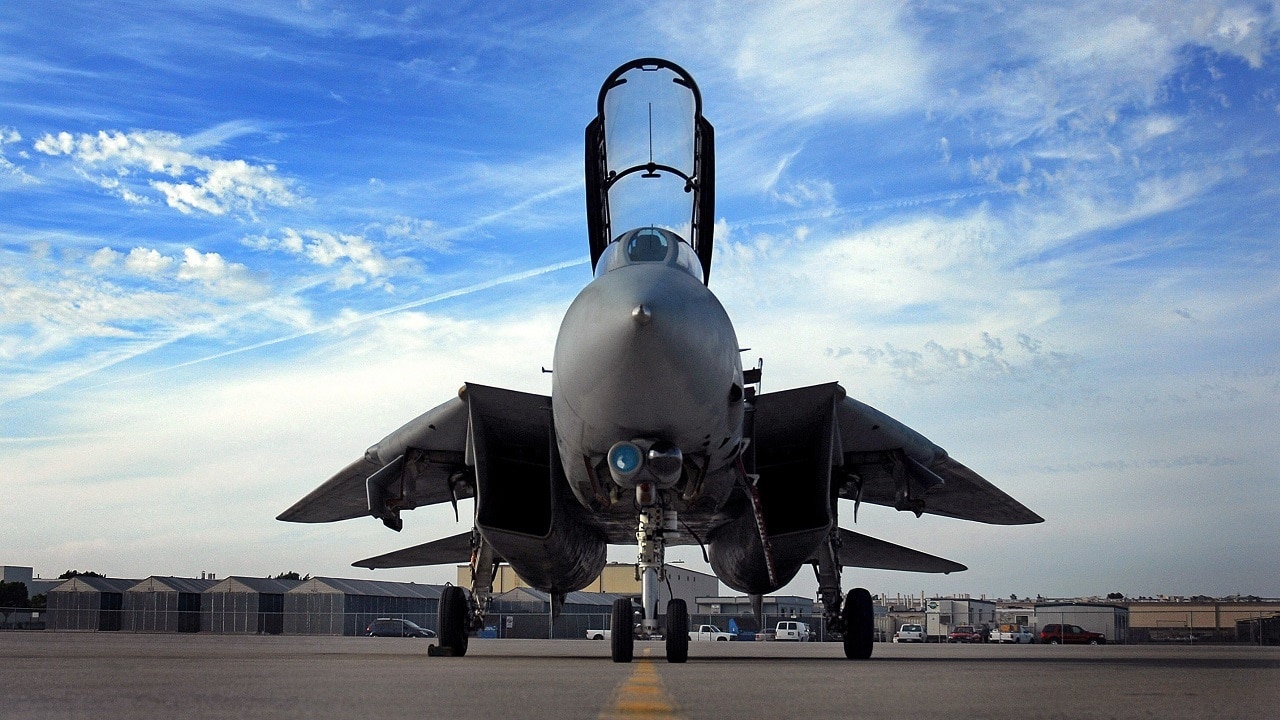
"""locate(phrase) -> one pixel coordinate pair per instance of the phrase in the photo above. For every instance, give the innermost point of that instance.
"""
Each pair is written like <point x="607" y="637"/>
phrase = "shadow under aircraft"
<point x="654" y="435"/>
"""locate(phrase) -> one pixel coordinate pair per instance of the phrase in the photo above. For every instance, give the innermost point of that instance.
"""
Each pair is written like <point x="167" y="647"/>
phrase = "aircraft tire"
<point x="677" y="631"/>
<point x="454" y="609"/>
<point x="622" y="642"/>
<point x="859" y="625"/>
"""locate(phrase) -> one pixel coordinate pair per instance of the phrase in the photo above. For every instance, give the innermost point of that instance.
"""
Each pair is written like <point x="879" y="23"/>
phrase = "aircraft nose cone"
<point x="642" y="314"/>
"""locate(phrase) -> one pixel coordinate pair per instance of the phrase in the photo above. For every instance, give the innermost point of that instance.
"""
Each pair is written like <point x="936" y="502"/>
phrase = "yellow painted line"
<point x="642" y="695"/>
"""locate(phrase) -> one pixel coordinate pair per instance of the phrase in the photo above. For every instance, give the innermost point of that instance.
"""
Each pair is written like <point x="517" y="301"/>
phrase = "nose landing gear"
<point x="651" y="546"/>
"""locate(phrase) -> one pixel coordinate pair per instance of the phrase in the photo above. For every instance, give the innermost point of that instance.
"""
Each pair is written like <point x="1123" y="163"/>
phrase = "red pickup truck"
<point x="965" y="634"/>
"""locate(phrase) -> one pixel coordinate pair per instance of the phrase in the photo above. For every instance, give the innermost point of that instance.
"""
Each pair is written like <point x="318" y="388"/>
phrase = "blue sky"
<point x="240" y="242"/>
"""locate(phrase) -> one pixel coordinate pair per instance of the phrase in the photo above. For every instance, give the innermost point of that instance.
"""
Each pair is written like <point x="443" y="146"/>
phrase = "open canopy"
<point x="650" y="159"/>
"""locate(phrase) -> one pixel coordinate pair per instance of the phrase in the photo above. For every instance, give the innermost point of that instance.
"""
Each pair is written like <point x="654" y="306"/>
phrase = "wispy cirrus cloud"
<point x="126" y="164"/>
<point x="10" y="172"/>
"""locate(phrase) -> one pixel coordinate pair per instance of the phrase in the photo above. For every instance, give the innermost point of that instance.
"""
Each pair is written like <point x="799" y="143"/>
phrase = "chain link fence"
<point x="1221" y="624"/>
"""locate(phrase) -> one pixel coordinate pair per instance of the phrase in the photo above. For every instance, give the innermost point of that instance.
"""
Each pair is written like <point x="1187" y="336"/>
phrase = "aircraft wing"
<point x="421" y="463"/>
<point x="891" y="464"/>
<point x="453" y="550"/>
<point x="858" y="550"/>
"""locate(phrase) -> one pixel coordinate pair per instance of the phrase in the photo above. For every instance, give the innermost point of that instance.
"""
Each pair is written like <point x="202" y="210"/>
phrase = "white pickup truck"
<point x="1011" y="633"/>
<point x="709" y="632"/>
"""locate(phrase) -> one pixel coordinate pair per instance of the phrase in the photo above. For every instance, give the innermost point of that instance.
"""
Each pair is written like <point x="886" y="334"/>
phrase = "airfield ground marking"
<point x="642" y="695"/>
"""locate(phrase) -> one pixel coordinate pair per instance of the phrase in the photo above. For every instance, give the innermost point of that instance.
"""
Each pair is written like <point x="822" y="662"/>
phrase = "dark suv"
<point x="394" y="627"/>
<point x="1070" y="634"/>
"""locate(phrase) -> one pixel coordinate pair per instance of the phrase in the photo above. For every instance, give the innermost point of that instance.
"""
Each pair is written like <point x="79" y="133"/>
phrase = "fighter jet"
<point x="654" y="434"/>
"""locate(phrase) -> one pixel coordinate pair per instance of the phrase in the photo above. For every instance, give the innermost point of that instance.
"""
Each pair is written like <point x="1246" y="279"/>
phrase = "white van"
<point x="793" y="630"/>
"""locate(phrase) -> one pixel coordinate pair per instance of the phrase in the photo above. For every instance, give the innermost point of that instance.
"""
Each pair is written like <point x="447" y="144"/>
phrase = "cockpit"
<point x="650" y="245"/>
<point x="650" y="171"/>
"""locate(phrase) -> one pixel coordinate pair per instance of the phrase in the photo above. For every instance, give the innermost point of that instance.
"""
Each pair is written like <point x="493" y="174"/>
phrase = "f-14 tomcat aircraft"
<point x="654" y="435"/>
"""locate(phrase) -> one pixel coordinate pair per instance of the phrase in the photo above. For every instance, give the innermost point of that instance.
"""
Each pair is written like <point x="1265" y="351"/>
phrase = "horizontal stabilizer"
<point x="452" y="550"/>
<point x="858" y="550"/>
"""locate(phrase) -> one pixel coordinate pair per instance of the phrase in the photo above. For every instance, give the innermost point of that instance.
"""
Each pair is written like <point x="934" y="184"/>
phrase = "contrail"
<point x="447" y="295"/>
<point x="105" y="360"/>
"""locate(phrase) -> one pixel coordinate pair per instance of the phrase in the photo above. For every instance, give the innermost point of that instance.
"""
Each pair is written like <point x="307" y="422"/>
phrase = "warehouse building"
<point x="1110" y="620"/>
<point x="88" y="603"/>
<point x="942" y="615"/>
<point x="245" y="605"/>
<point x="26" y="576"/>
<point x="334" y="606"/>
<point x="164" y="604"/>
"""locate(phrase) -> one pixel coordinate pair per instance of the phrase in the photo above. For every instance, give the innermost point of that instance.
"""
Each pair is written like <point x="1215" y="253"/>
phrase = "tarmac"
<point x="116" y="675"/>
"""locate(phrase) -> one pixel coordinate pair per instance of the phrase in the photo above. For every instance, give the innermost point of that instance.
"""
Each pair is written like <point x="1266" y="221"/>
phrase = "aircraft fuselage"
<point x="647" y="353"/>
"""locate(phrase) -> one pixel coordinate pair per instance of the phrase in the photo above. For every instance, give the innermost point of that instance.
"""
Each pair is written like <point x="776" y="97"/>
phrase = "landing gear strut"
<point x="650" y="543"/>
<point x="852" y="616"/>
<point x="649" y="561"/>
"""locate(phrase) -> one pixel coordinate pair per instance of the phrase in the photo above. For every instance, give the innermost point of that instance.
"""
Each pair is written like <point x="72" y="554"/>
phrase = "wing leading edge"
<point x="888" y="463"/>
<point x="421" y="463"/>
<point x="882" y="461"/>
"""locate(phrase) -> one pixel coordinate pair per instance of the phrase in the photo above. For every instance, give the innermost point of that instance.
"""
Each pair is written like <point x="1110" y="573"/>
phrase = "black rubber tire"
<point x="621" y="642"/>
<point x="859" y="625"/>
<point x="454" y="609"/>
<point x="677" y="631"/>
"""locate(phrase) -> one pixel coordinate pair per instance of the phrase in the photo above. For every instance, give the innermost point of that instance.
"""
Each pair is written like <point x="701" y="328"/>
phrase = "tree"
<point x="292" y="576"/>
<point x="13" y="594"/>
<point x="1115" y="596"/>
<point x="77" y="573"/>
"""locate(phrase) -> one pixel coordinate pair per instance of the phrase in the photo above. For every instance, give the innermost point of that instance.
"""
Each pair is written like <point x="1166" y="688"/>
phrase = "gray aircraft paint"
<point x="647" y="355"/>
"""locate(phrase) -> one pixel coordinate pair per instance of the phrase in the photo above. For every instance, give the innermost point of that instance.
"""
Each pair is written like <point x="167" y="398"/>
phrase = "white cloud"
<point x="361" y="261"/>
<point x="9" y="136"/>
<point x="804" y="59"/>
<point x="103" y="258"/>
<point x="147" y="261"/>
<point x="194" y="182"/>
<point x="425" y="233"/>
<point x="215" y="272"/>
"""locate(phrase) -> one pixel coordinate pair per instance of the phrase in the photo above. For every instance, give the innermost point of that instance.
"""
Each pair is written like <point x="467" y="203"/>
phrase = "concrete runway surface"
<point x="114" y="675"/>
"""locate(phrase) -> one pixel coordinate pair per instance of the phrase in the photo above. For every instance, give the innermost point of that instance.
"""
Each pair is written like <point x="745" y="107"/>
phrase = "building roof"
<point x="746" y="600"/>
<point x="161" y="583"/>
<point x="266" y="586"/>
<point x="1111" y="606"/>
<point x="88" y="583"/>
<point x="374" y="588"/>
<point x="574" y="598"/>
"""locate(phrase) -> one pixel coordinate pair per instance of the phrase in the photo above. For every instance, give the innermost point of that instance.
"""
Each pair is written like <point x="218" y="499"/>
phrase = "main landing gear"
<point x="455" y="617"/>
<point x="460" y="611"/>
<point x="852" y="616"/>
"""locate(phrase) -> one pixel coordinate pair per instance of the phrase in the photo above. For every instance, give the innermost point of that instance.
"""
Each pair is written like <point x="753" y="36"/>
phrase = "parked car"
<point x="965" y="634"/>
<point x="396" y="627"/>
<point x="1070" y="634"/>
<point x="909" y="633"/>
<point x="793" y="630"/>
